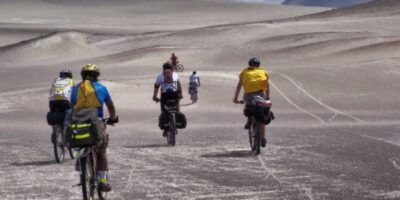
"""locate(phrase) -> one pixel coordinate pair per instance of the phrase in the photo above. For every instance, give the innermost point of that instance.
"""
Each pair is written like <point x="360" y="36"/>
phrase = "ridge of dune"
<point x="375" y="8"/>
<point x="50" y="46"/>
<point x="331" y="3"/>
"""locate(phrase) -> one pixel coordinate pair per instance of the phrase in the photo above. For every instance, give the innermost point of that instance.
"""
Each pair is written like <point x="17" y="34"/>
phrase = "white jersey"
<point x="194" y="80"/>
<point x="61" y="89"/>
<point x="173" y="86"/>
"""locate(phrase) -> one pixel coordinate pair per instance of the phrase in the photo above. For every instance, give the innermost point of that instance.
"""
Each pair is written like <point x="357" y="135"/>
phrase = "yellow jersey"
<point x="254" y="79"/>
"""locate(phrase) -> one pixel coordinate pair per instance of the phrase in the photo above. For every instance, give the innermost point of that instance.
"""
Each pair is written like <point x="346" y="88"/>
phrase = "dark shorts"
<point x="59" y="105"/>
<point x="249" y="96"/>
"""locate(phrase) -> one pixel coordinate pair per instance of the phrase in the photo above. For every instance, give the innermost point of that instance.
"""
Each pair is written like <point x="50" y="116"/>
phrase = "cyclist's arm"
<point x="198" y="78"/>
<point x="267" y="91"/>
<point x="111" y="109"/>
<point x="180" y="89"/>
<point x="238" y="88"/>
<point x="155" y="91"/>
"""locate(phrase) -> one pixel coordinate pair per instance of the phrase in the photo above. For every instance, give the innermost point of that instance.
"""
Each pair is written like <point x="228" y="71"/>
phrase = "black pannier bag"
<point x="260" y="113"/>
<point x="163" y="121"/>
<point x="54" y="118"/>
<point x="180" y="120"/>
<point x="82" y="134"/>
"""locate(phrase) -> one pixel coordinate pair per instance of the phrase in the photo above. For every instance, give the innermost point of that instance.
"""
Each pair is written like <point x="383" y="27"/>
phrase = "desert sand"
<point x="334" y="77"/>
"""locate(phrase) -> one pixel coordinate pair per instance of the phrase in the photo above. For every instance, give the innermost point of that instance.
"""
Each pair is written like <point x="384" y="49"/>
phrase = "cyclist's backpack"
<point x="61" y="89"/>
<point x="82" y="134"/>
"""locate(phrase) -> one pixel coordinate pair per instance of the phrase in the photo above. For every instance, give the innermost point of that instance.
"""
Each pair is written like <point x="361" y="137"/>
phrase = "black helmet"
<point x="167" y="65"/>
<point x="194" y="72"/>
<point x="90" y="70"/>
<point x="65" y="73"/>
<point x="254" y="62"/>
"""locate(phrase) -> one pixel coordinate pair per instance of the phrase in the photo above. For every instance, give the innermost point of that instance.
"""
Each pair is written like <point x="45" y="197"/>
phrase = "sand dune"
<point x="372" y="9"/>
<point x="54" y="46"/>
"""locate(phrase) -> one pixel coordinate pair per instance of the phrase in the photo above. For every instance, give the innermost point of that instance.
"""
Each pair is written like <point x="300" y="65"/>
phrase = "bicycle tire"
<point x="251" y="136"/>
<point x="87" y="179"/>
<point x="58" y="146"/>
<point x="179" y="68"/>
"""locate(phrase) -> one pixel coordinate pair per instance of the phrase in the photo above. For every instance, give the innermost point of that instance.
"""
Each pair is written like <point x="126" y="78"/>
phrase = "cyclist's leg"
<point x="66" y="123"/>
<point x="102" y="149"/>
<point x="102" y="157"/>
<point x="247" y="101"/>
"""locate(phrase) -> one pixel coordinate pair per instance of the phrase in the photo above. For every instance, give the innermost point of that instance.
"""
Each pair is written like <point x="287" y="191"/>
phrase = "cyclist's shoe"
<point x="263" y="142"/>
<point x="165" y="133"/>
<point x="105" y="187"/>
<point x="247" y="125"/>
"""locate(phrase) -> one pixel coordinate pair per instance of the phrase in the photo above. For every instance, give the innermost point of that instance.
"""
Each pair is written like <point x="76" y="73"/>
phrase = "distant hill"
<point x="325" y="3"/>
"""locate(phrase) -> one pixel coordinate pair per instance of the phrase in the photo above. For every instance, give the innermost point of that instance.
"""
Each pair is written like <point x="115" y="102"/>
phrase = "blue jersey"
<point x="101" y="94"/>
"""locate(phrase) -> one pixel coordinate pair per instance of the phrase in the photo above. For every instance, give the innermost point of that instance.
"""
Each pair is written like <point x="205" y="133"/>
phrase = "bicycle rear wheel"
<point x="58" y="145"/>
<point x="179" y="68"/>
<point x="87" y="178"/>
<point x="254" y="136"/>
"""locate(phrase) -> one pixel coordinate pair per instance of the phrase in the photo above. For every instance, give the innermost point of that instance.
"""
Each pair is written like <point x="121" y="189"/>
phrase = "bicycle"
<point x="256" y="111"/>
<point x="193" y="93"/>
<point x="178" y="67"/>
<point x="58" y="140"/>
<point x="171" y="109"/>
<point x="89" y="179"/>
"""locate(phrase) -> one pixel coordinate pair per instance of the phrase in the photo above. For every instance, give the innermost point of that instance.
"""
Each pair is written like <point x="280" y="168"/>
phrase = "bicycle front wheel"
<point x="172" y="130"/>
<point x="87" y="178"/>
<point x="58" y="144"/>
<point x="72" y="152"/>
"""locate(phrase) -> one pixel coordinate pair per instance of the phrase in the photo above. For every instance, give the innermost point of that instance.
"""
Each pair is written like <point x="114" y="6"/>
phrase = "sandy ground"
<point x="334" y="88"/>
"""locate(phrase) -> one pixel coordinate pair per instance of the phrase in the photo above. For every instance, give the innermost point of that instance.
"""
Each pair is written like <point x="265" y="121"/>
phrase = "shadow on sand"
<point x="230" y="154"/>
<point x="147" y="146"/>
<point x="35" y="163"/>
<point x="186" y="104"/>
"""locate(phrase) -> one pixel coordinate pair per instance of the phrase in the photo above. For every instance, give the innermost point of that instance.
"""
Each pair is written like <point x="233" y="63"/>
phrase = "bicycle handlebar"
<point x="111" y="122"/>
<point x="239" y="102"/>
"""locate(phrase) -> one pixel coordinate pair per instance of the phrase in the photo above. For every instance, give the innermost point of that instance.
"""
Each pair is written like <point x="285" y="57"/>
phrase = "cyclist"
<point x="88" y="98"/>
<point x="60" y="94"/>
<point x="254" y="80"/>
<point x="174" y="60"/>
<point x="170" y="86"/>
<point x="194" y="83"/>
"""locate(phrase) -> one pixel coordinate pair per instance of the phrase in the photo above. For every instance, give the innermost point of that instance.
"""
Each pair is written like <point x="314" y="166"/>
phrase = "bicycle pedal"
<point x="77" y="185"/>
